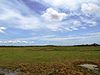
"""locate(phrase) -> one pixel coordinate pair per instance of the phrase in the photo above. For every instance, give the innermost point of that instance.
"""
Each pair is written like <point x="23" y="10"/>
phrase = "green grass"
<point x="48" y="54"/>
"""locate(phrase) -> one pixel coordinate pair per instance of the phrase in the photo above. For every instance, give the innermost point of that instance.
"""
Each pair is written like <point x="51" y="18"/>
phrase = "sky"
<point x="49" y="22"/>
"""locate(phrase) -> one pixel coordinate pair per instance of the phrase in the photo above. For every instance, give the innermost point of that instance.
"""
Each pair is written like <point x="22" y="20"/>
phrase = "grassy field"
<point x="48" y="54"/>
<point x="33" y="55"/>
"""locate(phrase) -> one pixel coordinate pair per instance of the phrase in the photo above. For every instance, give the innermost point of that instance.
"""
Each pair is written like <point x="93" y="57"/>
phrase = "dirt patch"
<point x="58" y="68"/>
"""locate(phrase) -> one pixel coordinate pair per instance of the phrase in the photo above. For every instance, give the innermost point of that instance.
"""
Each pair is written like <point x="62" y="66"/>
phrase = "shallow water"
<point x="8" y="72"/>
<point x="95" y="68"/>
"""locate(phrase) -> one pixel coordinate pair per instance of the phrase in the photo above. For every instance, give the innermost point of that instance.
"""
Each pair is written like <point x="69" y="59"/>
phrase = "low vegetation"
<point x="49" y="60"/>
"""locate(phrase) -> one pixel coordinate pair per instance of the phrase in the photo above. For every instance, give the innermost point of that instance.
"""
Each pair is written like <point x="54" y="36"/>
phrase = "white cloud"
<point x="55" y="27"/>
<point x="83" y="27"/>
<point x="72" y="25"/>
<point x="52" y="19"/>
<point x="92" y="24"/>
<point x="69" y="25"/>
<point x="8" y="14"/>
<point x="64" y="38"/>
<point x="62" y="3"/>
<point x="88" y="22"/>
<point x="76" y="23"/>
<point x="15" y="42"/>
<point x="28" y="23"/>
<point x="78" y="37"/>
<point x="90" y="8"/>
<point x="58" y="40"/>
<point x="2" y="29"/>
<point x="70" y="4"/>
<point x="53" y="15"/>
<point x="17" y="18"/>
<point x="68" y="29"/>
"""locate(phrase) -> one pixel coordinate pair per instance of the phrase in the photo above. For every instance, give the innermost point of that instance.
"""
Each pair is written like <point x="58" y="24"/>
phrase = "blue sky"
<point x="53" y="22"/>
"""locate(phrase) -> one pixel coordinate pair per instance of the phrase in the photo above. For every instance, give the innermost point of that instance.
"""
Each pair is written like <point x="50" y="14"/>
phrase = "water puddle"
<point x="93" y="67"/>
<point x="8" y="72"/>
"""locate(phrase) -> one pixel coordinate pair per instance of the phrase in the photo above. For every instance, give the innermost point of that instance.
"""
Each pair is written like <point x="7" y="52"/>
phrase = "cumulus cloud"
<point x="2" y="29"/>
<point x="53" y="15"/>
<point x="90" y="8"/>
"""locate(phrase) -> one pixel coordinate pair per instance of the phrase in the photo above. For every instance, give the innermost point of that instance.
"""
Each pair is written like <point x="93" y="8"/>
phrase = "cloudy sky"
<point x="54" y="22"/>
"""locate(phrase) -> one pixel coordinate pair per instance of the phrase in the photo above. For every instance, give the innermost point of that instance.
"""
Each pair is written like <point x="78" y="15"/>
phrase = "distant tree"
<point x="94" y="44"/>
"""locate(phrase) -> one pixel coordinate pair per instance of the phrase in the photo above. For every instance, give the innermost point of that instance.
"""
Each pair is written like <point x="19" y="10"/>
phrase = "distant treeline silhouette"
<point x="94" y="44"/>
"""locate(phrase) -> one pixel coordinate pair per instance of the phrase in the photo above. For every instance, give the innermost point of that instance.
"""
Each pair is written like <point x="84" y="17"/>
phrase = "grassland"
<point x="11" y="56"/>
